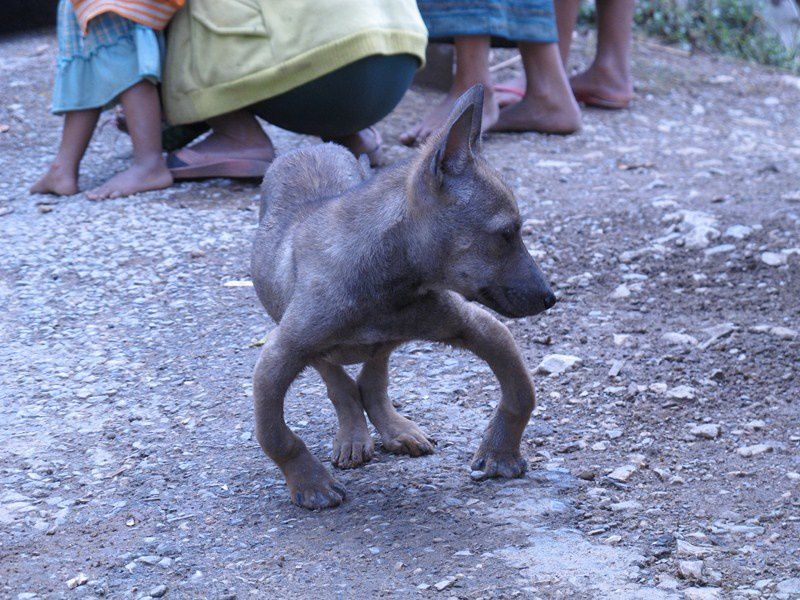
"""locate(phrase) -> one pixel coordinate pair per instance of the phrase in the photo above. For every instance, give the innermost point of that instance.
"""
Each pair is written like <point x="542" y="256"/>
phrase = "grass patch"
<point x="732" y="27"/>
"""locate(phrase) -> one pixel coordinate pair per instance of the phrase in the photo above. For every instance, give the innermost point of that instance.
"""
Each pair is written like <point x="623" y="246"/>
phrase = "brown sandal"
<point x="189" y="164"/>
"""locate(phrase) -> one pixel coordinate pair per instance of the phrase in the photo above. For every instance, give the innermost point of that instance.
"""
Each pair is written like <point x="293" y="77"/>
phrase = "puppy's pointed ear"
<point x="460" y="139"/>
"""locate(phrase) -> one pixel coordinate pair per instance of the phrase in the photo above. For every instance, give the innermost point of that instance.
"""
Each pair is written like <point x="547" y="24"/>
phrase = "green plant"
<point x="731" y="27"/>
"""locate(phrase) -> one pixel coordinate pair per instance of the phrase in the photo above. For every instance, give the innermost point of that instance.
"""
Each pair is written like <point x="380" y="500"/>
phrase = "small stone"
<point x="702" y="593"/>
<point x="738" y="232"/>
<point x="616" y="368"/>
<point x="374" y="550"/>
<point x="719" y="249"/>
<point x="623" y="473"/>
<point x="158" y="591"/>
<point x="691" y="569"/>
<point x="626" y="506"/>
<point x="773" y="259"/>
<point x="755" y="425"/>
<point x="791" y="196"/>
<point x="684" y="548"/>
<point x="783" y="333"/>
<point x="613" y="539"/>
<point x="681" y="392"/>
<point x="673" y="337"/>
<point x="77" y="581"/>
<point x="620" y="292"/>
<point x="555" y="364"/>
<point x="755" y="450"/>
<point x="707" y="431"/>
<point x="442" y="585"/>
<point x="789" y="586"/>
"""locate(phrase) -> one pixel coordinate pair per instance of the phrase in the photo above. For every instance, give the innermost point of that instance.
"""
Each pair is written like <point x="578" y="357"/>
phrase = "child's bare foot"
<point x="543" y="114"/>
<point x="58" y="180"/>
<point x="438" y="115"/>
<point x="138" y="178"/>
<point x="603" y="87"/>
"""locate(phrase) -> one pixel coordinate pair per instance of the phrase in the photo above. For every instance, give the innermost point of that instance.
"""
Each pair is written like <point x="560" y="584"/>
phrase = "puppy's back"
<point x="302" y="177"/>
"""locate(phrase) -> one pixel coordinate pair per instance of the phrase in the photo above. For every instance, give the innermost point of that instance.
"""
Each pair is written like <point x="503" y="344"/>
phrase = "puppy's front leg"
<point x="310" y="484"/>
<point x="498" y="454"/>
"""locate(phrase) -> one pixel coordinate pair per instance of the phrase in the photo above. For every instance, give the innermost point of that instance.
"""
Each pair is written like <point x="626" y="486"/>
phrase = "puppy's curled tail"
<point x="307" y="175"/>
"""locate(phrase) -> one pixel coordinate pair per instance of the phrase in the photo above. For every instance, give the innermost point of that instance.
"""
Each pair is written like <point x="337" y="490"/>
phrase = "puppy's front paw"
<point x="310" y="484"/>
<point x="404" y="437"/>
<point x="490" y="463"/>
<point x="351" y="452"/>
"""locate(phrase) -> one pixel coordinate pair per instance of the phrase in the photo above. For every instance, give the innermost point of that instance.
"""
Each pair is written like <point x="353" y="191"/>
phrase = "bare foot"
<point x="137" y="178"/>
<point x="58" y="181"/>
<point x="543" y="114"/>
<point x="436" y="118"/>
<point x="367" y="141"/>
<point x="510" y="92"/>
<point x="225" y="146"/>
<point x="602" y="87"/>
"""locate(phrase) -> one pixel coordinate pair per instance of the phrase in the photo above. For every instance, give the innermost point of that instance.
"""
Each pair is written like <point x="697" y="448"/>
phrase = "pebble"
<point x="620" y="292"/>
<point x="673" y="337"/>
<point x="158" y="591"/>
<point x="738" y="232"/>
<point x="77" y="581"/>
<point x="755" y="450"/>
<point x="684" y="548"/>
<point x="789" y="586"/>
<point x="556" y="364"/>
<point x="623" y="473"/>
<point x="626" y="506"/>
<point x="681" y="392"/>
<point x="691" y="569"/>
<point x="442" y="585"/>
<point x="708" y="431"/>
<point x="773" y="259"/>
<point x="702" y="593"/>
<point x="783" y="333"/>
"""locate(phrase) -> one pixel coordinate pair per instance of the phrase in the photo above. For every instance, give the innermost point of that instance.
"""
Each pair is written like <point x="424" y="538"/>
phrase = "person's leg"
<point x="472" y="66"/>
<point x="62" y="176"/>
<point x="548" y="105"/>
<point x="607" y="83"/>
<point x="148" y="171"/>
<point x="566" y="18"/>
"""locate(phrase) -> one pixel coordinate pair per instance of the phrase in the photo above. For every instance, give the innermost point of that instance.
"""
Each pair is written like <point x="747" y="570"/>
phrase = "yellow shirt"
<point x="223" y="55"/>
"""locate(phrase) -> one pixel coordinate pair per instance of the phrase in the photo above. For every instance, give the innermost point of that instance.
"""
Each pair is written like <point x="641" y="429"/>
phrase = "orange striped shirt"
<point x="150" y="13"/>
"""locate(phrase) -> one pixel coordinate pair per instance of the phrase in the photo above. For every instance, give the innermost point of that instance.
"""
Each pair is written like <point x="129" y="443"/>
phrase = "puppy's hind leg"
<point x="353" y="444"/>
<point x="310" y="484"/>
<point x="398" y="434"/>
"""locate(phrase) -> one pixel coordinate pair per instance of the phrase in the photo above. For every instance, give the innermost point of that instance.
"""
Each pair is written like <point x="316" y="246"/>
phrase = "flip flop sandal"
<point x="596" y="101"/>
<point x="510" y="89"/>
<point x="188" y="164"/>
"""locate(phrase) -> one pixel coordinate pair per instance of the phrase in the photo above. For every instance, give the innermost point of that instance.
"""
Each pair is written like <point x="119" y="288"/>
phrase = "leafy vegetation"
<point x="732" y="27"/>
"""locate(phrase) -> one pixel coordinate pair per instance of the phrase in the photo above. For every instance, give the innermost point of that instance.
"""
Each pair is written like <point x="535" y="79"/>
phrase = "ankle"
<point x="615" y="70"/>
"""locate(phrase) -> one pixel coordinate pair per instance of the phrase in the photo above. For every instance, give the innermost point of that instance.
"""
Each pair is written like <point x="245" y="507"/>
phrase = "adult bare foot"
<point x="603" y="87"/>
<point x="58" y="181"/>
<point x="137" y="178"/>
<point x="367" y="141"/>
<point x="437" y="116"/>
<point x="543" y="114"/>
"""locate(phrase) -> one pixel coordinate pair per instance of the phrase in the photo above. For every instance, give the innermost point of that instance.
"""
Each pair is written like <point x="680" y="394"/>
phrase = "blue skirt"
<point x="509" y="20"/>
<point x="94" y="69"/>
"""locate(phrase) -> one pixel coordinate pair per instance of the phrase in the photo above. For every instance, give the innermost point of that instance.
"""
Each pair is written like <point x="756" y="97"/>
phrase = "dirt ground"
<point x="664" y="464"/>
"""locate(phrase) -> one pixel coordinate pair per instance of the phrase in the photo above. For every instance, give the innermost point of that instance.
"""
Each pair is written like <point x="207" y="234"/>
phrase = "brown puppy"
<point x="351" y="266"/>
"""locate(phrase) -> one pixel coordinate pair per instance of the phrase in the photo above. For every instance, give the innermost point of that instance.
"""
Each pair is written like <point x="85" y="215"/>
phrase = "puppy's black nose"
<point x="549" y="300"/>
